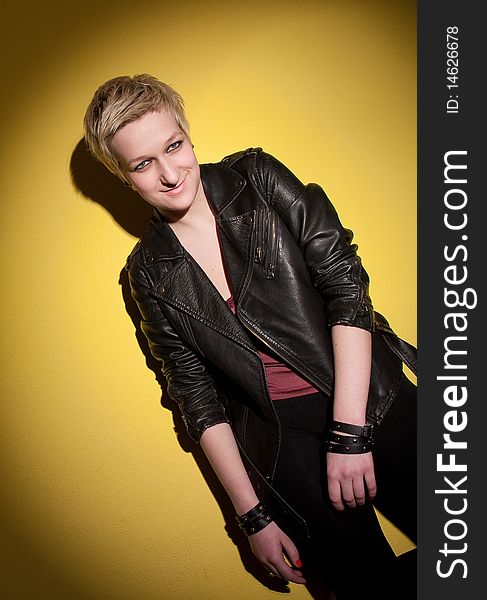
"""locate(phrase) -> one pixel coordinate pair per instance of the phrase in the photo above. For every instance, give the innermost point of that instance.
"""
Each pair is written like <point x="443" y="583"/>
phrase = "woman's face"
<point x="159" y="161"/>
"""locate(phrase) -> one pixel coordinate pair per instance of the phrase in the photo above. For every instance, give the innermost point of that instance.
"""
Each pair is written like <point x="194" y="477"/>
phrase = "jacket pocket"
<point x="266" y="251"/>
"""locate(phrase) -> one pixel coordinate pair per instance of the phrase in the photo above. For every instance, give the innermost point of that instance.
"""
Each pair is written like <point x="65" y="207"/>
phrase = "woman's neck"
<point x="198" y="216"/>
<point x="197" y="232"/>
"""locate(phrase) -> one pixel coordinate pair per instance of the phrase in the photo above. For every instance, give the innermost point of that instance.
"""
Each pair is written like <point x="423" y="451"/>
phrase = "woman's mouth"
<point x="176" y="189"/>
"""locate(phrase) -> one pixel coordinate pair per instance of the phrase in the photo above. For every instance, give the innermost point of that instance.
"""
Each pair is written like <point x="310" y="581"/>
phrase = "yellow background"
<point x="99" y="499"/>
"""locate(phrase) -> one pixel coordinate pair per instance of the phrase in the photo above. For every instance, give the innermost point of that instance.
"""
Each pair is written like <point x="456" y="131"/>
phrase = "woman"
<point x="254" y="299"/>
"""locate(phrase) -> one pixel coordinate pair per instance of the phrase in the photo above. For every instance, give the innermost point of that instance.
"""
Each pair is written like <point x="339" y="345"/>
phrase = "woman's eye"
<point x="141" y="165"/>
<point x="174" y="145"/>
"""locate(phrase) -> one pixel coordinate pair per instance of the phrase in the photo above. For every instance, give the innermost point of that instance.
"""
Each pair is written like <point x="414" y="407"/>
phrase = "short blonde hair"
<point x="122" y="100"/>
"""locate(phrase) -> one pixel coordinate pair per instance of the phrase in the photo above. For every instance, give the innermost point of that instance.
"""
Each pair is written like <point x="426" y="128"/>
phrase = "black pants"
<point x="348" y="550"/>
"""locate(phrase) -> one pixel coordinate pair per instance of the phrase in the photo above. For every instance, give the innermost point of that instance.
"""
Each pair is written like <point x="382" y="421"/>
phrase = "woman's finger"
<point x="335" y="494"/>
<point x="359" y="490"/>
<point x="370" y="483"/>
<point x="348" y="493"/>
<point x="292" y="555"/>
<point x="273" y="572"/>
<point x="286" y="572"/>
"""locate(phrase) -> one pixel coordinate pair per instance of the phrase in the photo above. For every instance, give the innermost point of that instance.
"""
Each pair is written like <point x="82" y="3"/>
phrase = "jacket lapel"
<point x="229" y="197"/>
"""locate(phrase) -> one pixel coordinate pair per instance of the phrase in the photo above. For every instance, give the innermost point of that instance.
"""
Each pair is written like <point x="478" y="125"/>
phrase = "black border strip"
<point x="452" y="400"/>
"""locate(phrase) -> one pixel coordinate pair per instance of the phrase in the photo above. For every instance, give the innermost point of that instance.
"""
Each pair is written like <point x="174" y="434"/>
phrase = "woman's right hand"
<point x="270" y="546"/>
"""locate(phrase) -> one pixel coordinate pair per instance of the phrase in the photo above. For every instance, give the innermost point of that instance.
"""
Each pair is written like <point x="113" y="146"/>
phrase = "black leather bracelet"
<point x="346" y="439"/>
<point x="366" y="431"/>
<point x="360" y="441"/>
<point x="254" y="520"/>
<point x="361" y="448"/>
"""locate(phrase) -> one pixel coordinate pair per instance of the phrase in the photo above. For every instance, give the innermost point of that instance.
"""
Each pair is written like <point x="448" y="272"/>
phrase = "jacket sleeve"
<point x="189" y="383"/>
<point x="335" y="268"/>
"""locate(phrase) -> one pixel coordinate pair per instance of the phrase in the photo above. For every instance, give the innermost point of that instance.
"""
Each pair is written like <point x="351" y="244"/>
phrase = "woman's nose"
<point x="168" y="174"/>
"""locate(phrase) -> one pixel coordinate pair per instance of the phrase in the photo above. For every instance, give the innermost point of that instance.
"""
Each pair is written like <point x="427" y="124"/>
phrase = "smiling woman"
<point x="235" y="360"/>
<point x="98" y="500"/>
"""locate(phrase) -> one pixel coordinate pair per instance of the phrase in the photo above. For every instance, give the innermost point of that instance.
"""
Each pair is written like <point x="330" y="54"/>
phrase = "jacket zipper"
<point x="260" y="242"/>
<point x="273" y="247"/>
<point x="266" y="241"/>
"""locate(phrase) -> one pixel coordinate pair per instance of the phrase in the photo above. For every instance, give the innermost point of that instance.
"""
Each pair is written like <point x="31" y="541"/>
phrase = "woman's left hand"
<point x="270" y="546"/>
<point x="351" y="479"/>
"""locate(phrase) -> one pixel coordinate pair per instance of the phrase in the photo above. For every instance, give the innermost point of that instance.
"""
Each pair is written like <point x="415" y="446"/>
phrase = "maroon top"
<point x="282" y="382"/>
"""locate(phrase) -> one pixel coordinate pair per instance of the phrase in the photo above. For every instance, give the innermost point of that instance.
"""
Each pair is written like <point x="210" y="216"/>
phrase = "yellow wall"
<point x="99" y="501"/>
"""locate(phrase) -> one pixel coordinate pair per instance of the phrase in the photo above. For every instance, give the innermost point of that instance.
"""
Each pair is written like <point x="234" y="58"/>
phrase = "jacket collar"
<point x="222" y="185"/>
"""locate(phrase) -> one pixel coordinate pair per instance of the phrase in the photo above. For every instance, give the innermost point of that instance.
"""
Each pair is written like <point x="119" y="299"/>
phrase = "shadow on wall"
<point x="96" y="183"/>
<point x="131" y="213"/>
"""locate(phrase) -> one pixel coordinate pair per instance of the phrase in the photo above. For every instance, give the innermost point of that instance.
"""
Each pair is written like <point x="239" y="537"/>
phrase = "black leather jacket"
<point x="293" y="273"/>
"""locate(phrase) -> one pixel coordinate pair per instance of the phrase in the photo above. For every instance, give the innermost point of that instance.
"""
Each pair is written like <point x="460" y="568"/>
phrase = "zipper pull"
<point x="258" y="254"/>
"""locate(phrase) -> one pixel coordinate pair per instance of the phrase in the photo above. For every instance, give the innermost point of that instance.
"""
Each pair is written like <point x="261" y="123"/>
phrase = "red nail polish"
<point x="299" y="564"/>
